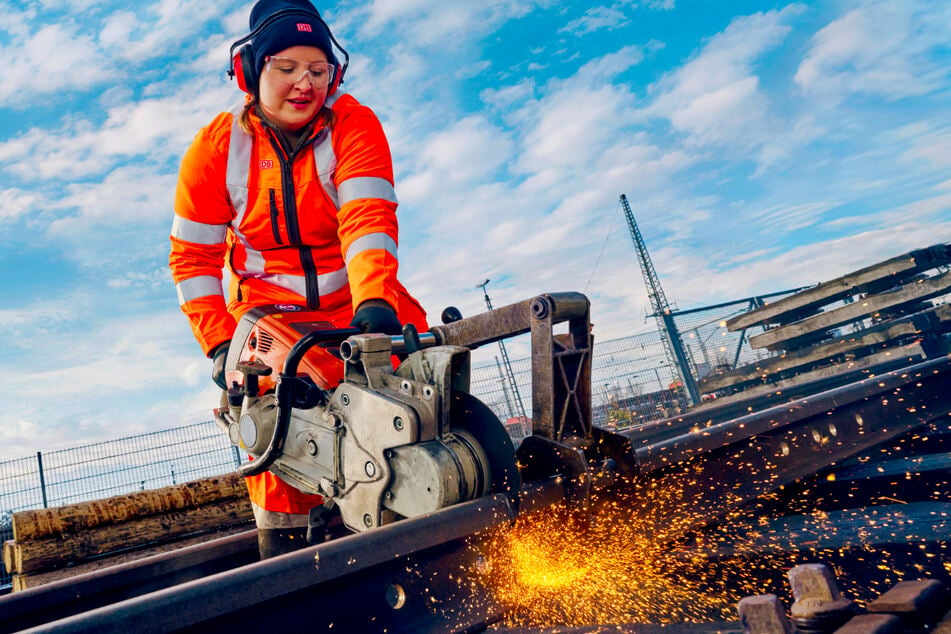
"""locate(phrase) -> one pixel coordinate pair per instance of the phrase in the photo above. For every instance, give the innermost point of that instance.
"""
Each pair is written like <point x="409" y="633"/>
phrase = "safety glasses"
<point x="291" y="71"/>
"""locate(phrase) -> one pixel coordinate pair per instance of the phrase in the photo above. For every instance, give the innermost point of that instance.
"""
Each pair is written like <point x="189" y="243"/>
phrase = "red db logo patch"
<point x="267" y="164"/>
<point x="304" y="27"/>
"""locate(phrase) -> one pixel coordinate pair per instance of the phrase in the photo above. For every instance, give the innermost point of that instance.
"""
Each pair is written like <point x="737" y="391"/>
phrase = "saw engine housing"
<point x="382" y="444"/>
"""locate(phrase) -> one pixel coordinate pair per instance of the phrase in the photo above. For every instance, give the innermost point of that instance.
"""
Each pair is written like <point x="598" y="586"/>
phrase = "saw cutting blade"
<point x="473" y="416"/>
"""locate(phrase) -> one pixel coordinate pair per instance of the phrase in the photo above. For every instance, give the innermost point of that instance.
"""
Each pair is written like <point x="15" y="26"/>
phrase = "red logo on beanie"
<point x="304" y="27"/>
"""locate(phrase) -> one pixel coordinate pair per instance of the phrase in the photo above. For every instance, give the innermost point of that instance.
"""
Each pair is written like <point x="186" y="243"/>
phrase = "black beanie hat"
<point x="302" y="26"/>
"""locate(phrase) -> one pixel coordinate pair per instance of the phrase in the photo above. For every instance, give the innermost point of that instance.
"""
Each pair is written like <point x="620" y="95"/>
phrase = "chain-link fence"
<point x="632" y="381"/>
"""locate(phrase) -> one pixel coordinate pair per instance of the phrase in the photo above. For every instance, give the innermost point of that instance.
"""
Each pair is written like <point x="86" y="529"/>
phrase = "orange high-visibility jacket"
<point x="316" y="226"/>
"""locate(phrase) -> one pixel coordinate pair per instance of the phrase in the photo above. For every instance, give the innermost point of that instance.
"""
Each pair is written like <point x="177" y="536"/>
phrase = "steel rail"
<point x="309" y="586"/>
<point x="63" y="598"/>
<point x="657" y="432"/>
<point x="726" y="465"/>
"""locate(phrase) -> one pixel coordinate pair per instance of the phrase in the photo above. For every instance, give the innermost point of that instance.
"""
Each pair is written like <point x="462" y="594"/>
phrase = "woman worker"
<point x="293" y="189"/>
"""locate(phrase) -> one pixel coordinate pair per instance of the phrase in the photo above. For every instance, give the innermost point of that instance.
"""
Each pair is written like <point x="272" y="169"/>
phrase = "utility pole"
<point x="505" y="360"/>
<point x="674" y="347"/>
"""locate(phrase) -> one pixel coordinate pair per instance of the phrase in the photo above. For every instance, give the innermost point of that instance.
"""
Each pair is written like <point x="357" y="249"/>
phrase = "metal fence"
<point x="91" y="472"/>
<point x="631" y="382"/>
<point x="632" y="379"/>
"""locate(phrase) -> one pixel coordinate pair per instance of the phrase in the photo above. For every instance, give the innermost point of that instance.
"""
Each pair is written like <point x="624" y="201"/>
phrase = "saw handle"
<point x="311" y="339"/>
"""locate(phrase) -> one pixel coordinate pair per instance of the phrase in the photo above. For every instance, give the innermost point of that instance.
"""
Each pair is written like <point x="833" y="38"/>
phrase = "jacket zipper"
<point x="275" y="228"/>
<point x="312" y="292"/>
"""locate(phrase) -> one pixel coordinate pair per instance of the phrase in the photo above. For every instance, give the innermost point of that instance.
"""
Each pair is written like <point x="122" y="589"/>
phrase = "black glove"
<point x="219" y="355"/>
<point x="376" y="318"/>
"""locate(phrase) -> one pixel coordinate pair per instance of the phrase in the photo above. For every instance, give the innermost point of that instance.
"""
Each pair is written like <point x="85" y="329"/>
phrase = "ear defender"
<point x="338" y="78"/>
<point x="242" y="69"/>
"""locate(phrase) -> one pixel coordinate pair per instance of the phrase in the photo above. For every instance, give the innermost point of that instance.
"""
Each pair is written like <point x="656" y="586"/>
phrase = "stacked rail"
<point x="865" y="322"/>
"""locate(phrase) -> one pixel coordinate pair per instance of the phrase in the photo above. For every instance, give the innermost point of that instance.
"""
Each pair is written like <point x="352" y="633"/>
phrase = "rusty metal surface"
<point x="346" y="584"/>
<point x="561" y="370"/>
<point x="66" y="597"/>
<point x="726" y="465"/>
<point x="696" y="432"/>
<point x="487" y="327"/>
<point x="508" y="321"/>
<point x="561" y="363"/>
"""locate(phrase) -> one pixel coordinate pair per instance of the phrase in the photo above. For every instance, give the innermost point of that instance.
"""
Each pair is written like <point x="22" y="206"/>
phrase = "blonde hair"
<point x="325" y="118"/>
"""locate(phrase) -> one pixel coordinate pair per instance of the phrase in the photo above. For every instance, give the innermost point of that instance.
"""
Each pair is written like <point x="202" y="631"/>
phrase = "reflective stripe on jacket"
<point x="319" y="225"/>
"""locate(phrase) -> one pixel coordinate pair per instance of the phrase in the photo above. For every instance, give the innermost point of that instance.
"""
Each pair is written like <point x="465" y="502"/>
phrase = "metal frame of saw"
<point x="561" y="363"/>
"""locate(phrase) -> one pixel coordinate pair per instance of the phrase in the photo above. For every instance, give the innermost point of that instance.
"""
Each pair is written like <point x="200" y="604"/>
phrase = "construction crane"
<point x="676" y="355"/>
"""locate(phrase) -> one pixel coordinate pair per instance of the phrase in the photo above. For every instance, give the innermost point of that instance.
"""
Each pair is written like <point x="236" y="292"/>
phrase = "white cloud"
<point x="595" y="19"/>
<point x="882" y="49"/>
<point x="33" y="70"/>
<point x="605" y="69"/>
<point x="577" y="118"/>
<point x="15" y="203"/>
<point x="39" y="319"/>
<point x="716" y="98"/>
<point x="510" y="97"/>
<point x="571" y="128"/>
<point x="16" y="22"/>
<point x="84" y="353"/>
<point x="782" y="218"/>
<point x="451" y="23"/>
<point x="99" y="54"/>
<point x="931" y="146"/>
<point x="469" y="151"/>
<point x="18" y="436"/>
<point x="95" y="374"/>
<point x="154" y="129"/>
<point x="927" y="211"/>
<point x="128" y="195"/>
<point x="797" y="266"/>
<point x="159" y="26"/>
<point x="118" y="29"/>
<point x="568" y="147"/>
<point x="655" y="5"/>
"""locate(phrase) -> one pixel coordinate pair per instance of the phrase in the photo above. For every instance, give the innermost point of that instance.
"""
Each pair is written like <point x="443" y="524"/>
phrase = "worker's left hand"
<point x="219" y="355"/>
<point x="376" y="316"/>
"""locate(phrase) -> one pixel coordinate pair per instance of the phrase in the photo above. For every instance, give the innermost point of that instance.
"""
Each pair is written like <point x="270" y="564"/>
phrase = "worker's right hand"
<point x="219" y="355"/>
<point x="375" y="315"/>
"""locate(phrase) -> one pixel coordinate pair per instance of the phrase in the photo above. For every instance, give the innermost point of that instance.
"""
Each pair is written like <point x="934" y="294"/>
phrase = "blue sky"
<point x="762" y="145"/>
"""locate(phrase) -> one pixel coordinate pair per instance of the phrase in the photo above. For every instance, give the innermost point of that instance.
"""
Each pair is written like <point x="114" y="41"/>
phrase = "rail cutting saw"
<point x="395" y="442"/>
